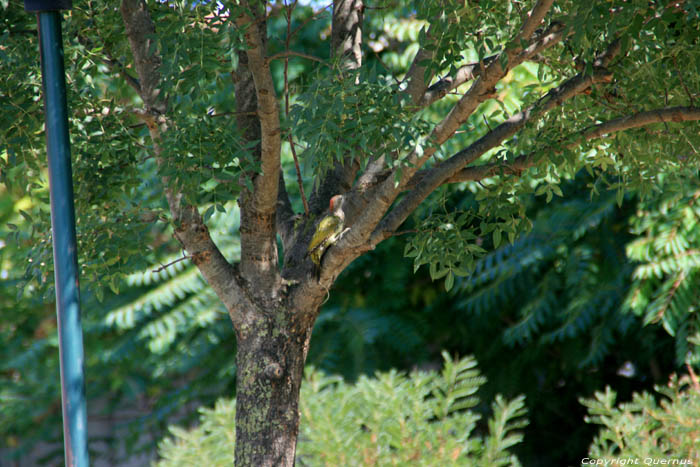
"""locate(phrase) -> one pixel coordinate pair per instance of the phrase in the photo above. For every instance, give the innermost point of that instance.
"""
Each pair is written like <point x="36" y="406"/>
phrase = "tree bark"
<point x="270" y="363"/>
<point x="272" y="329"/>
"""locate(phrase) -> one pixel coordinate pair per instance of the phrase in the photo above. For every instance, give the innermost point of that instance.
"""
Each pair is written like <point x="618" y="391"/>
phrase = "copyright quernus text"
<point x="636" y="461"/>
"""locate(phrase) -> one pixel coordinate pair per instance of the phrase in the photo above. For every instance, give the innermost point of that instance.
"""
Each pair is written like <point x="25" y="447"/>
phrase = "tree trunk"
<point x="270" y="359"/>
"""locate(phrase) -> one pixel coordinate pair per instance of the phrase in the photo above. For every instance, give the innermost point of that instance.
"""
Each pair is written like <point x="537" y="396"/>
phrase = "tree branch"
<point x="430" y="180"/>
<point x="346" y="33"/>
<point x="384" y="194"/>
<point x="285" y="215"/>
<point x="535" y="17"/>
<point x="552" y="36"/>
<point x="255" y="91"/>
<point x="190" y="229"/>
<point x="666" y="115"/>
<point x="140" y="31"/>
<point x="291" y="53"/>
<point x="415" y="77"/>
<point x="525" y="161"/>
<point x="265" y="196"/>
<point x="114" y="64"/>
<point x="482" y="86"/>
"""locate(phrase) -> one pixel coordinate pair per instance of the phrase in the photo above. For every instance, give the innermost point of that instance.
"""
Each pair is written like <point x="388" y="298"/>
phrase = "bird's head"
<point x="336" y="205"/>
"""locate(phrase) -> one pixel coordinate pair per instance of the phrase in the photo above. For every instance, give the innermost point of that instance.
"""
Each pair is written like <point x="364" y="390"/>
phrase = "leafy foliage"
<point x="423" y="419"/>
<point x="567" y="274"/>
<point x="666" y="252"/>
<point x="335" y="117"/>
<point x="646" y="427"/>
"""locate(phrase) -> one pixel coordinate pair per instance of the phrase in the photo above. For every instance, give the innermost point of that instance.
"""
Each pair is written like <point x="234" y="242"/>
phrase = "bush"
<point x="392" y="419"/>
<point x="647" y="429"/>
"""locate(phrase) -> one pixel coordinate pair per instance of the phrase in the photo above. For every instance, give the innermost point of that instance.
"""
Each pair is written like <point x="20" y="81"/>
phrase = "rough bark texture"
<point x="273" y="309"/>
<point x="270" y="363"/>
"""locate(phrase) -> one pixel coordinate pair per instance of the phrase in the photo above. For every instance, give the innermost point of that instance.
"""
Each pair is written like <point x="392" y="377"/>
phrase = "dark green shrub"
<point x="424" y="418"/>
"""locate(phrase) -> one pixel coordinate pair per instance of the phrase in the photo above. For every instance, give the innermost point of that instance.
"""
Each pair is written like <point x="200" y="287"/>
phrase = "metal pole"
<point x="70" y="337"/>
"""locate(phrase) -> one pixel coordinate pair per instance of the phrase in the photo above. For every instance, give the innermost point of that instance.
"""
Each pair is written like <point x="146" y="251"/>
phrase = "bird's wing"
<point x="326" y="228"/>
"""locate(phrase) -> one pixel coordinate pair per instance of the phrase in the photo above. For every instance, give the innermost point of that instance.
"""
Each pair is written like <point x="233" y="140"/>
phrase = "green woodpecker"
<point x="328" y="229"/>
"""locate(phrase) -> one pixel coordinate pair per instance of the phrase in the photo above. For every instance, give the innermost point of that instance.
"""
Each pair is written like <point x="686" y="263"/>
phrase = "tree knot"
<point x="273" y="371"/>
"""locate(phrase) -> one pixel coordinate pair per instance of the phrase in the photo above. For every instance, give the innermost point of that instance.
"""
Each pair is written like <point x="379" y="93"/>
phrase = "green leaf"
<point x="449" y="281"/>
<point x="496" y="237"/>
<point x="208" y="213"/>
<point x="26" y="216"/>
<point x="114" y="283"/>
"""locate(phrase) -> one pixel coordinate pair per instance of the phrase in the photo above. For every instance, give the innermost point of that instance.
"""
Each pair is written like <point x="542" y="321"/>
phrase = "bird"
<point x="328" y="230"/>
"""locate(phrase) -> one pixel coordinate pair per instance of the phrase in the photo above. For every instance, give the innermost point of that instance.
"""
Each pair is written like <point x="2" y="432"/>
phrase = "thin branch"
<point x="670" y="114"/>
<point x="550" y="37"/>
<point x="535" y="17"/>
<point x="680" y="77"/>
<point x="113" y="64"/>
<point x="285" y="216"/>
<point x="23" y="31"/>
<point x="487" y="79"/>
<point x="378" y="56"/>
<point x="291" y="53"/>
<point x="226" y="114"/>
<point x="299" y="179"/>
<point x="165" y="266"/>
<point x="313" y="16"/>
<point x="288" y="14"/>
<point x="525" y="161"/>
<point x="346" y="50"/>
<point x="121" y="69"/>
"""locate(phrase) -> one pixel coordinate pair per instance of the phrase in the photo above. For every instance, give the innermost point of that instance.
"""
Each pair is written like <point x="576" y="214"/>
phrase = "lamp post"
<point x="70" y="336"/>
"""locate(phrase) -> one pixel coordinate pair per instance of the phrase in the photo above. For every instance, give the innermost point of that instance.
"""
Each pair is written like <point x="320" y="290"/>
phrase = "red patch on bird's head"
<point x="334" y="201"/>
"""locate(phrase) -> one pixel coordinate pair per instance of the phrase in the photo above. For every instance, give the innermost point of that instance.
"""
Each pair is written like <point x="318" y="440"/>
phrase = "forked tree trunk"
<point x="273" y="317"/>
<point x="270" y="359"/>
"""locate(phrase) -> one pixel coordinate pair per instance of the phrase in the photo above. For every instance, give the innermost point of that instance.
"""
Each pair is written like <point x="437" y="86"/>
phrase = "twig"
<point x="291" y="53"/>
<point x="487" y="123"/>
<point x="164" y="266"/>
<point x="286" y="54"/>
<point x="680" y="77"/>
<point x="299" y="180"/>
<point x="311" y="18"/>
<point x="114" y="64"/>
<point x="224" y="114"/>
<point x="379" y="59"/>
<point x="404" y="232"/>
<point x="23" y="31"/>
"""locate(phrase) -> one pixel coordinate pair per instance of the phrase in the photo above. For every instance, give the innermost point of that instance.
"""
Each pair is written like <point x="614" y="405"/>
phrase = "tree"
<point x="151" y="88"/>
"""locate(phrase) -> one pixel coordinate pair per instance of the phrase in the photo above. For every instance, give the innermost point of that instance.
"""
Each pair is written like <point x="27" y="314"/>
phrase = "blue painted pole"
<point x="70" y="336"/>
